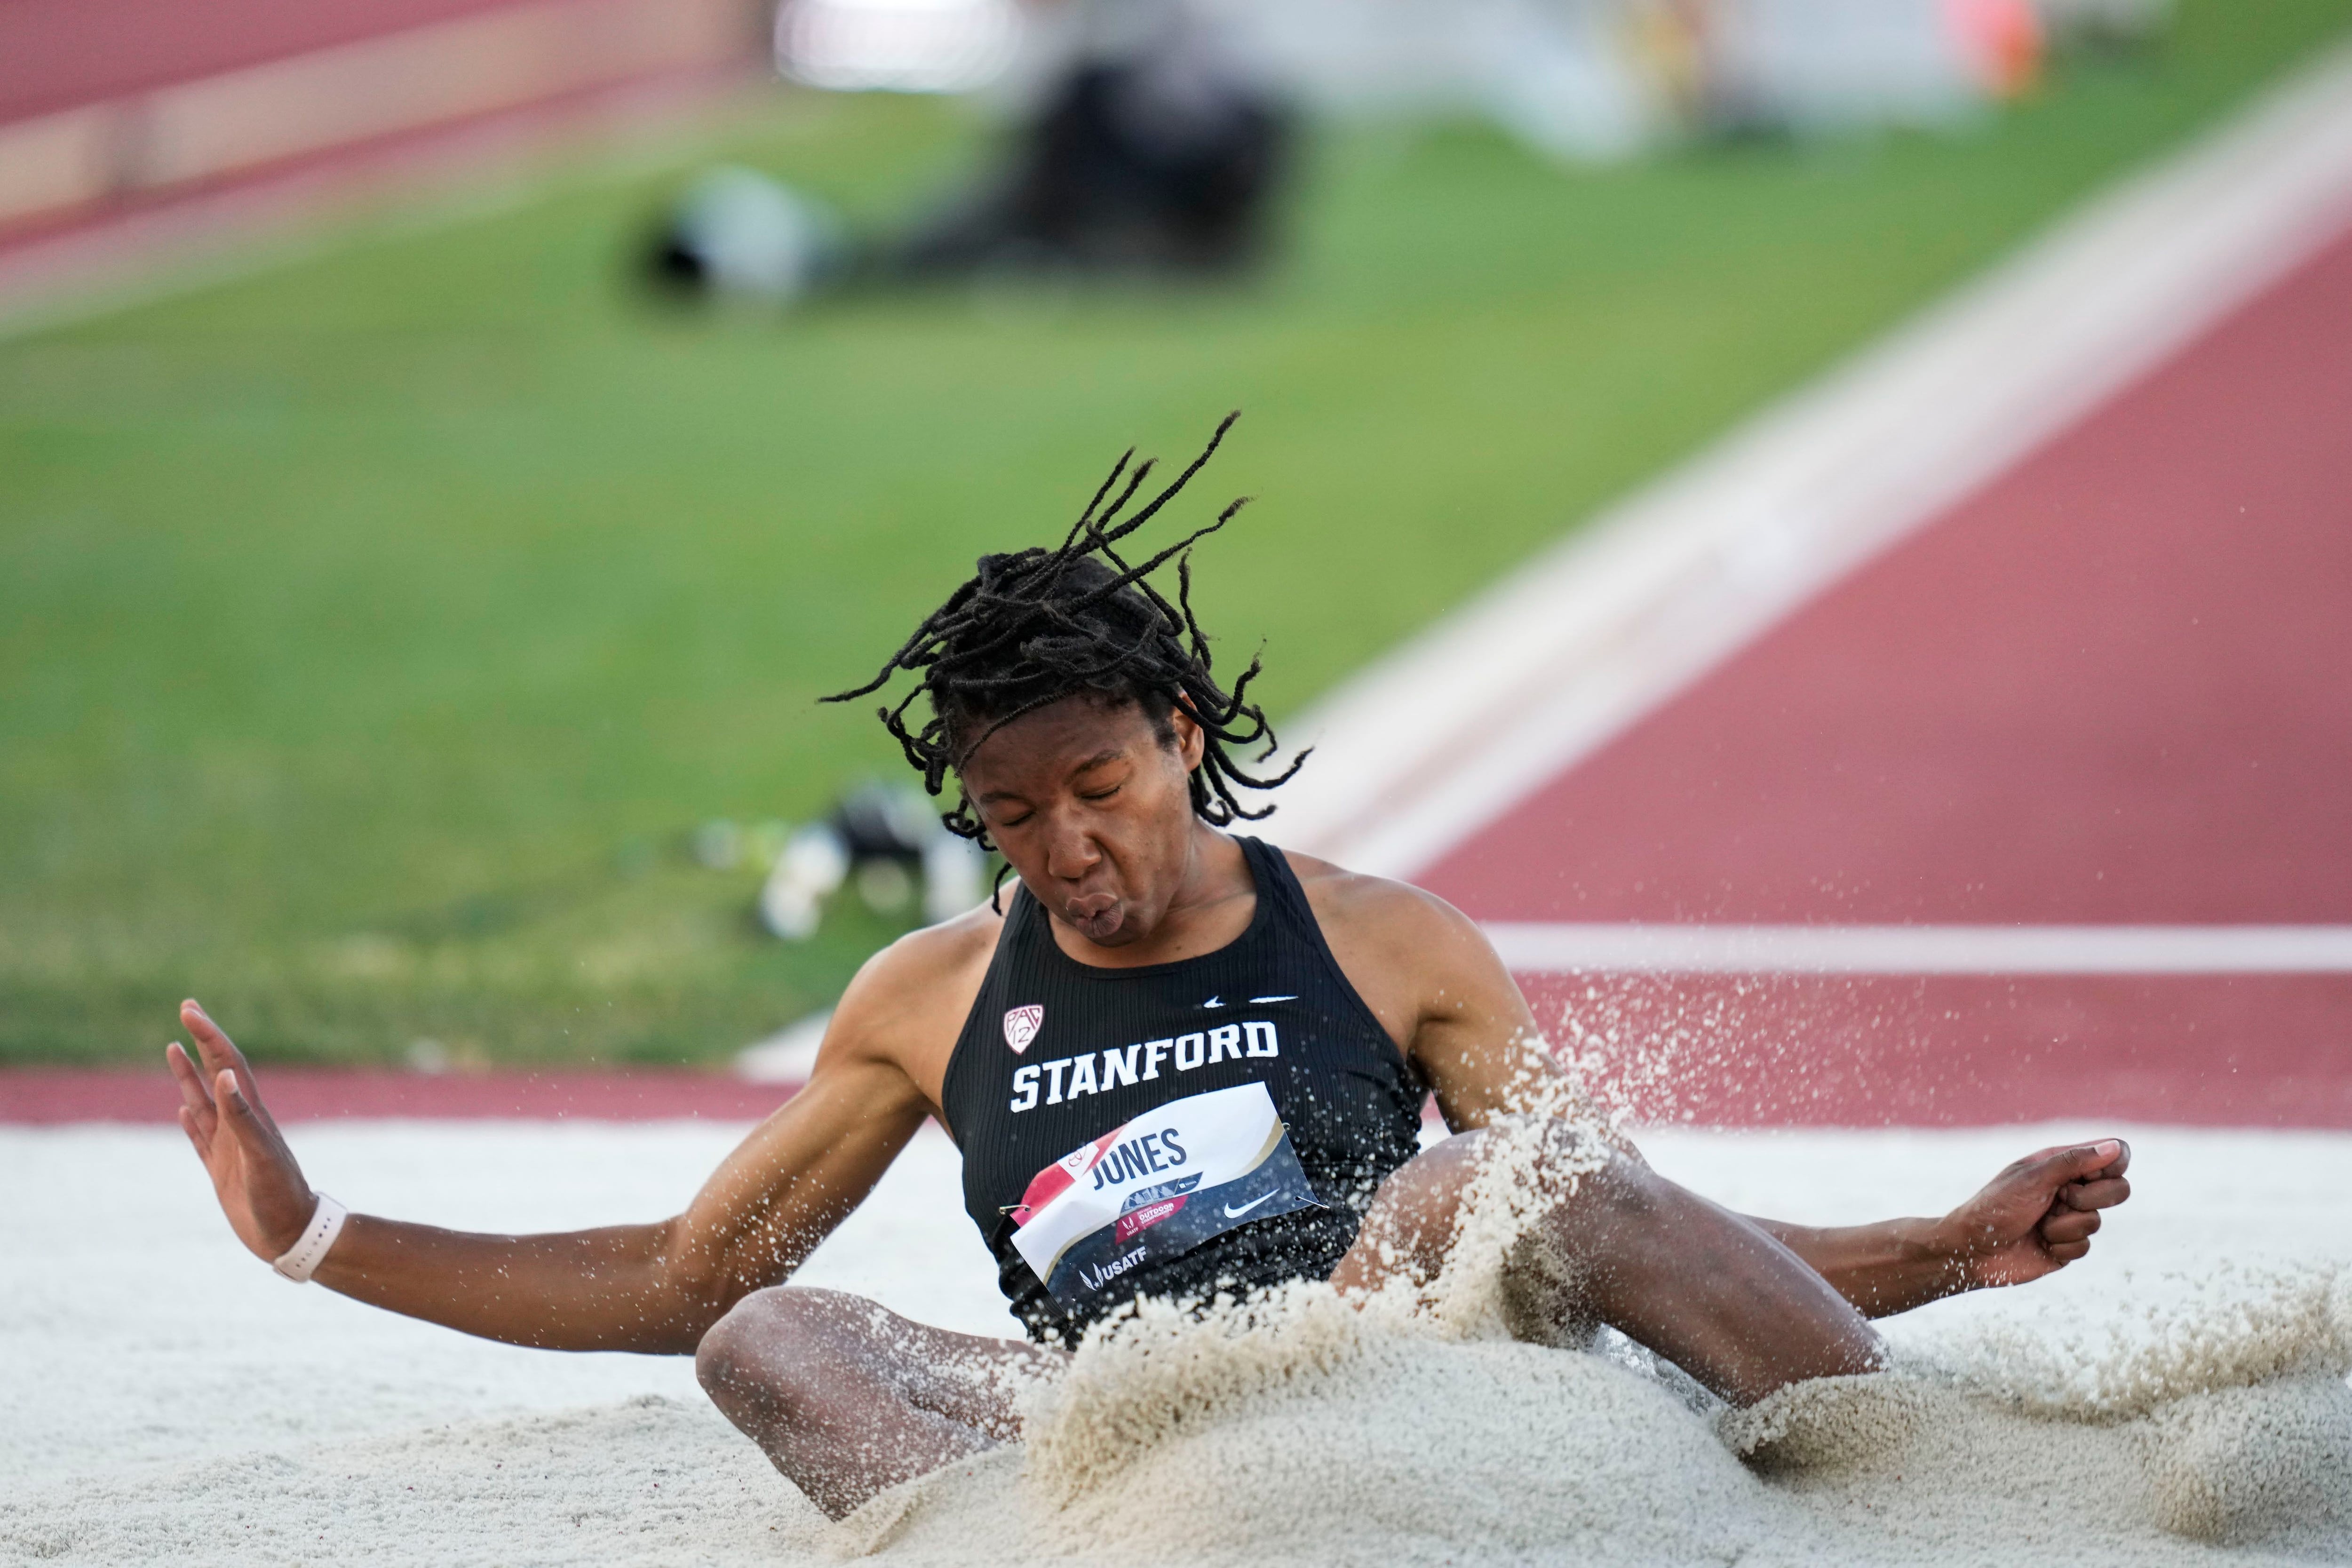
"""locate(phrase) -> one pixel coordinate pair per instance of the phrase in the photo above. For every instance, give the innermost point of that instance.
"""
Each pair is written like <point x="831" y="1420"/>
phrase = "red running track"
<point x="64" y="53"/>
<point x="2113" y="687"/>
<point x="149" y="139"/>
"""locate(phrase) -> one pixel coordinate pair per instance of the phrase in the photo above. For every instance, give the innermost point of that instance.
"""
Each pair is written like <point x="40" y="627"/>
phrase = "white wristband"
<point x="302" y="1259"/>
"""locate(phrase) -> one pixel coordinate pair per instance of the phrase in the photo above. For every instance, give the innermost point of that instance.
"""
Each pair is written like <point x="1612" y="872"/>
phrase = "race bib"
<point x="1158" y="1187"/>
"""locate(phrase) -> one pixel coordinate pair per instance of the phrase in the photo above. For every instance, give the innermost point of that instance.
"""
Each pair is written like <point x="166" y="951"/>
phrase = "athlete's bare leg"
<point x="849" y="1398"/>
<point x="1622" y="1245"/>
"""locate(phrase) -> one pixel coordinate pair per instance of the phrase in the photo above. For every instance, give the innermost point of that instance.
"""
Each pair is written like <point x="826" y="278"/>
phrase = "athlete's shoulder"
<point x="936" y="952"/>
<point x="1407" y="952"/>
<point x="1358" y="903"/>
<point x="908" y="1001"/>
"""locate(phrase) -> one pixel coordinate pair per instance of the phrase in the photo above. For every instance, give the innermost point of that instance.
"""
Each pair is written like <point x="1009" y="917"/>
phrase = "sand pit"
<point x="1333" y="1440"/>
<point x="649" y="1480"/>
<point x="1507" y="1454"/>
<point x="2221" y="1431"/>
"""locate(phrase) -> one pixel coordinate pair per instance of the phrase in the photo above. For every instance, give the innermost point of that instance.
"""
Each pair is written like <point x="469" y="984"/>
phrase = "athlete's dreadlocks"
<point x="1041" y="624"/>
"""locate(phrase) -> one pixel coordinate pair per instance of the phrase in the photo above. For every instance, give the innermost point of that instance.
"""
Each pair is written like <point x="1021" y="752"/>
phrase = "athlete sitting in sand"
<point x="1178" y="1061"/>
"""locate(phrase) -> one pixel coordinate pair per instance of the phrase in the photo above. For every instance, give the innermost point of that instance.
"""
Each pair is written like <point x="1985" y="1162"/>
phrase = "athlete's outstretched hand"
<point x="254" y="1174"/>
<point x="2038" y="1216"/>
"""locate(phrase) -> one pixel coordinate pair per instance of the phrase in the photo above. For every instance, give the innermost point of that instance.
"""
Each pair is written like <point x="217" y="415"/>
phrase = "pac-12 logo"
<point x="1022" y="1024"/>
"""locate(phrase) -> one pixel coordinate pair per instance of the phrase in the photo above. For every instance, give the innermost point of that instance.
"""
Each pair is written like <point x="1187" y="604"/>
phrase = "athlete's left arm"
<point x="1432" y="978"/>
<point x="2033" y="1219"/>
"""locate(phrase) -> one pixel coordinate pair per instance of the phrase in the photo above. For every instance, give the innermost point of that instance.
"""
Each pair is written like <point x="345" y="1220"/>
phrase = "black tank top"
<point x="1057" y="1054"/>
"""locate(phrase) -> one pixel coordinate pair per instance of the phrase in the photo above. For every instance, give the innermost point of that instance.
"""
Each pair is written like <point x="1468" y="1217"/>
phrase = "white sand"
<point x="133" y="1328"/>
<point x="1397" y="1448"/>
<point x="162" y="1395"/>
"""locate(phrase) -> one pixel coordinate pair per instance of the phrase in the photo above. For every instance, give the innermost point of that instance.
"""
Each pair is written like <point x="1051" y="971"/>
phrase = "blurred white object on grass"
<point x="814" y="863"/>
<point x="897" y="46"/>
<point x="739" y="232"/>
<point x="886" y="885"/>
<point x="954" y="867"/>
<point x="884" y="838"/>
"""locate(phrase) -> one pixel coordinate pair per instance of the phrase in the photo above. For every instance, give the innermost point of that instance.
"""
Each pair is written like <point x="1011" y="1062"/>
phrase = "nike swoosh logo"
<point x="1232" y="1212"/>
<point x="1212" y="1001"/>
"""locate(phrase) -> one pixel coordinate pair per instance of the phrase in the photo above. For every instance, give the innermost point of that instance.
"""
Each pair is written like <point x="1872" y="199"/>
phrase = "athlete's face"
<point x="1093" y="811"/>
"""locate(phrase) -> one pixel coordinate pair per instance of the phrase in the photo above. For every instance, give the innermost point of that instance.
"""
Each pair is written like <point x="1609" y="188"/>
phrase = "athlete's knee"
<point x="1600" y="1184"/>
<point x="1579" y="1183"/>
<point x="768" y="1347"/>
<point x="1553" y="1157"/>
<point x="1598" y="1201"/>
<point x="730" y="1347"/>
<point x="1410" y="1225"/>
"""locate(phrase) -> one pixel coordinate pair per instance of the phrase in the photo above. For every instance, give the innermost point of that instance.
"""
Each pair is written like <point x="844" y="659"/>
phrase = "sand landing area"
<point x="165" y="1398"/>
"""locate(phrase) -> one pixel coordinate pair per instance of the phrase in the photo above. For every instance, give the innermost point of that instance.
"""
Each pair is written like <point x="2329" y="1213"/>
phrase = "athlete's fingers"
<point x="191" y="1083"/>
<point x="2103" y="1194"/>
<point x="253" y="1129"/>
<point x="237" y="1111"/>
<point x="195" y="1139"/>
<point x="2070" y="1163"/>
<point x="2066" y="1252"/>
<point x="186" y="1077"/>
<point x="211" y="1043"/>
<point x="2069" y="1226"/>
<point x="220" y="1052"/>
<point x="195" y="1098"/>
<point x="215" y="1049"/>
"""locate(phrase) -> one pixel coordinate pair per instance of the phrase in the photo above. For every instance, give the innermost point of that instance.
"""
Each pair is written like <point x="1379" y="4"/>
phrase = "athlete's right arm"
<point x="649" y="1287"/>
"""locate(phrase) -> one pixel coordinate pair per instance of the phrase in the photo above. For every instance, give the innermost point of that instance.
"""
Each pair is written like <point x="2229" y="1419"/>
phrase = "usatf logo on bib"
<point x="1021" y="1025"/>
<point x="1158" y="1187"/>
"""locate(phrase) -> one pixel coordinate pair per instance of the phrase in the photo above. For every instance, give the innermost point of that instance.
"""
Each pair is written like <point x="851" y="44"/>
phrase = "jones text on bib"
<point x="1157" y="1187"/>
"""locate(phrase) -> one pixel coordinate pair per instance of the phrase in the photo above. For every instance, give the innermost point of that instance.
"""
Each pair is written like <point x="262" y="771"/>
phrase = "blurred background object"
<point x="1603" y="80"/>
<point x="897" y="46"/>
<point x="1143" y="144"/>
<point x="736" y="231"/>
<point x="383" y="628"/>
<point x="792" y="900"/>
<point x="1154" y="136"/>
<point x="1153" y="145"/>
<point x="2123" y="24"/>
<point x="1149" y="133"/>
<point x="888" y="842"/>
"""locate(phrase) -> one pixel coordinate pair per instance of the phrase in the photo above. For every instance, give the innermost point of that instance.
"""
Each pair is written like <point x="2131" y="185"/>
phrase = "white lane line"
<point x="1431" y="742"/>
<point x="1573" y="949"/>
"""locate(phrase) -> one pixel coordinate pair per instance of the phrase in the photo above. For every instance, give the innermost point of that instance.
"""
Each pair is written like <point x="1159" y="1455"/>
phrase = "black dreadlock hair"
<point x="1040" y="625"/>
